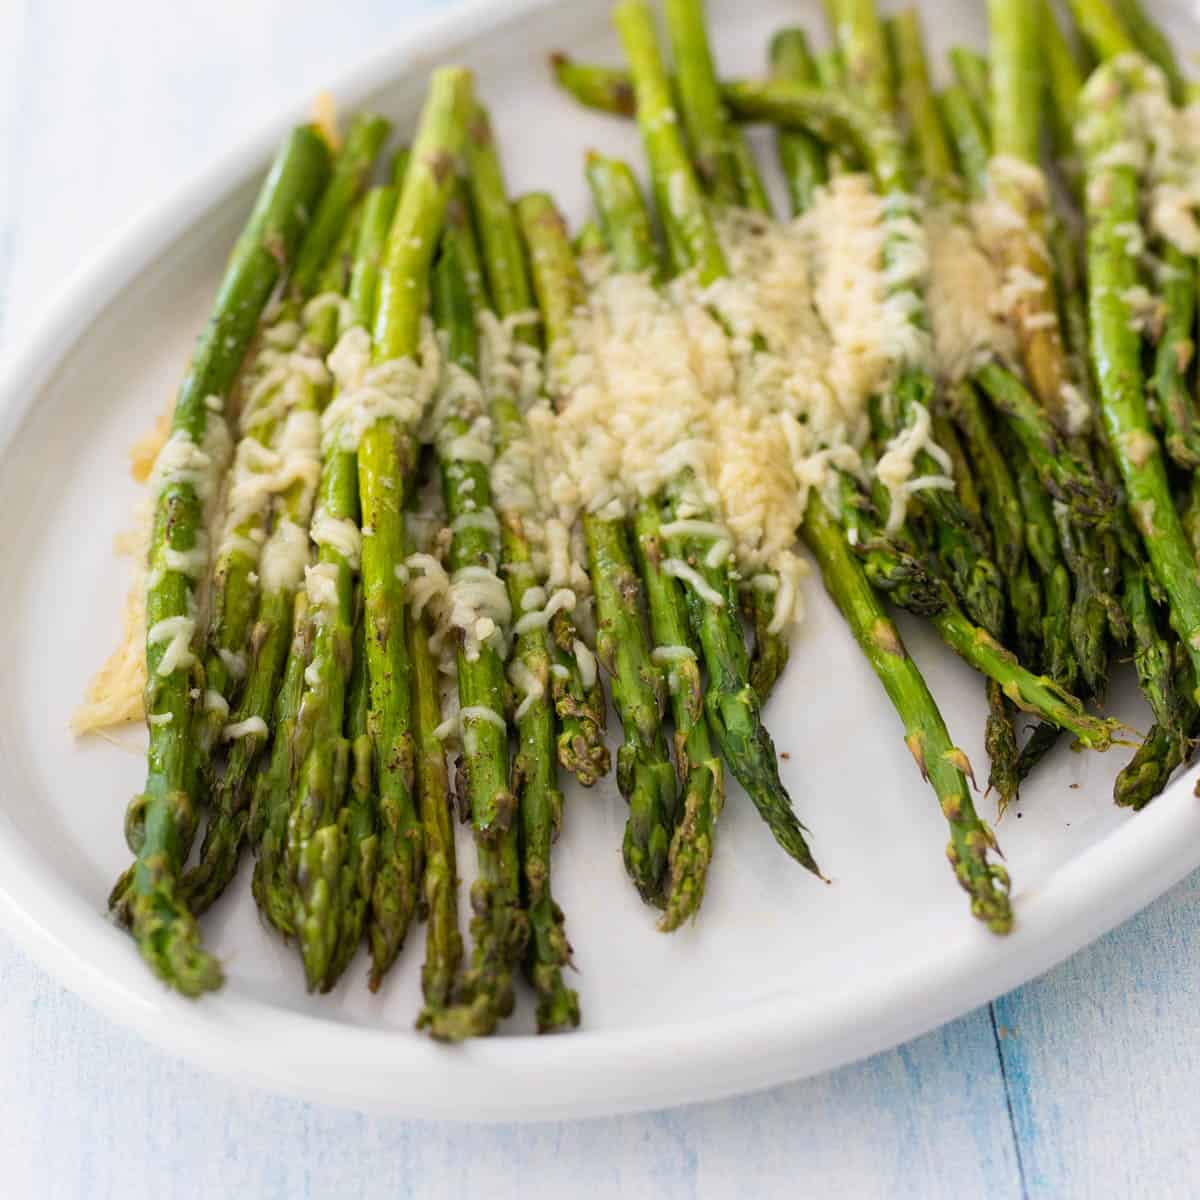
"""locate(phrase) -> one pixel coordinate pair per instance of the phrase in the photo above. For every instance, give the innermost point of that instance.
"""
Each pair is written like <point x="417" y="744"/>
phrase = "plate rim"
<point x="588" y="1073"/>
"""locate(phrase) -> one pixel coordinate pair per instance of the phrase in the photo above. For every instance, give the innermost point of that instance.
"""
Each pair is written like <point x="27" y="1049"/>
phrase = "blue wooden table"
<point x="1081" y="1084"/>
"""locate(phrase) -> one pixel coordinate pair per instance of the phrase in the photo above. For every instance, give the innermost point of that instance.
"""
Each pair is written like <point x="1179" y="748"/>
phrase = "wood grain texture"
<point x="925" y="1121"/>
<point x="1102" y="1058"/>
<point x="1090" y="1092"/>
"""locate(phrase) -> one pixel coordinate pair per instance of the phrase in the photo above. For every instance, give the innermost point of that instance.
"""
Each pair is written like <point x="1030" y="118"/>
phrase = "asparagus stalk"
<point x="268" y="638"/>
<point x="359" y="837"/>
<point x="315" y="848"/>
<point x="972" y="74"/>
<point x="623" y="215"/>
<point x="1176" y="404"/>
<point x="541" y="656"/>
<point x="1166" y="688"/>
<point x="847" y="582"/>
<point x="1101" y="28"/>
<point x="1129" y="28"/>
<point x="443" y="942"/>
<point x="1002" y="506"/>
<point x="287" y="823"/>
<point x="866" y="64"/>
<point x="1041" y="539"/>
<point x="969" y="137"/>
<point x="1064" y="81"/>
<point x="905" y="579"/>
<point x="271" y="806"/>
<point x="731" y="701"/>
<point x="960" y="542"/>
<point x="707" y="123"/>
<point x="1017" y="183"/>
<point x="580" y="709"/>
<point x="1063" y="475"/>
<point x="1154" y="44"/>
<point x="704" y="122"/>
<point x="919" y="106"/>
<point x="1000" y="735"/>
<point x="801" y="156"/>
<point x="235" y="593"/>
<point x="1149" y="771"/>
<point x="499" y="926"/>
<point x="606" y="89"/>
<point x="187" y="476"/>
<point x="939" y="761"/>
<point x="644" y="772"/>
<point x="383" y="464"/>
<point x="1112" y="202"/>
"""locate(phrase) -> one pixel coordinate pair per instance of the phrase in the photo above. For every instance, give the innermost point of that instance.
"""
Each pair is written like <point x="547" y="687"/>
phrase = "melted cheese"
<point x="341" y="535"/>
<point x="400" y="389"/>
<point x="177" y="633"/>
<point x="963" y="287"/>
<point x="474" y="602"/>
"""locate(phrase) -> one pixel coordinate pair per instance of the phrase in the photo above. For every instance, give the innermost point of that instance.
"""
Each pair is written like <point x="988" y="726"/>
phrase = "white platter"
<point x="781" y="977"/>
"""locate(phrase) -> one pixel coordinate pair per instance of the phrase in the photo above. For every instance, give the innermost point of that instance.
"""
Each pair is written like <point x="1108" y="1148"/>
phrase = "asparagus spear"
<point x="1063" y="475"/>
<point x="630" y="241"/>
<point x="801" y="156"/>
<point x="267" y="643"/>
<point x="940" y="762"/>
<point x="1154" y="44"/>
<point x="866" y="64"/>
<point x="581" y="710"/>
<point x="644" y="772"/>
<point x="1042" y="462"/>
<point x="847" y="582"/>
<point x="1000" y="735"/>
<point x="1166" y="688"/>
<point x="278" y="794"/>
<point x="972" y="74"/>
<point x="1112" y="203"/>
<point x="187" y="475"/>
<point x="315" y="847"/>
<point x="1101" y="28"/>
<point x="1127" y="27"/>
<point x="969" y="138"/>
<point x="382" y="469"/>
<point x="704" y="123"/>
<point x="1017" y="184"/>
<point x="606" y="89"/>
<point x="1064" y="80"/>
<point x="1041" y="539"/>
<point x="443" y="942"/>
<point x="708" y="124"/>
<point x="731" y="702"/>
<point x="271" y="804"/>
<point x="359" y="837"/>
<point x="912" y="588"/>
<point x="322" y="267"/>
<point x="499" y="926"/>
<point x="999" y="494"/>
<point x="539" y="657"/>
<point x="275" y="376"/>
<point x="1090" y="555"/>
<point x="961" y="544"/>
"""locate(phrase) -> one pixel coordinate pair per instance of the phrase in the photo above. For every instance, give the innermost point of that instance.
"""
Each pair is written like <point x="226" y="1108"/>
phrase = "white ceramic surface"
<point x="780" y="977"/>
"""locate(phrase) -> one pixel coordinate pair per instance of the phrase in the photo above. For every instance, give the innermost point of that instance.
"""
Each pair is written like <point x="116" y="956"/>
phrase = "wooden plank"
<point x="1102" y="1058"/>
<point x="926" y="1121"/>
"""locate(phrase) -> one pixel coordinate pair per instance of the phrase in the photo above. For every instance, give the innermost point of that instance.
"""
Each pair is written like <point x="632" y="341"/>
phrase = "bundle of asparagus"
<point x="480" y="467"/>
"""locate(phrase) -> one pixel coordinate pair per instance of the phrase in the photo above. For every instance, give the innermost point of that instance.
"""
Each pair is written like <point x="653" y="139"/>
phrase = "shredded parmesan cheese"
<point x="255" y="726"/>
<point x="177" y="633"/>
<point x="680" y="570"/>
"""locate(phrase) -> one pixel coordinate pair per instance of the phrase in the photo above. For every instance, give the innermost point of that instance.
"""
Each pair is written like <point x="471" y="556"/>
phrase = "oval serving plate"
<point x="780" y="977"/>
